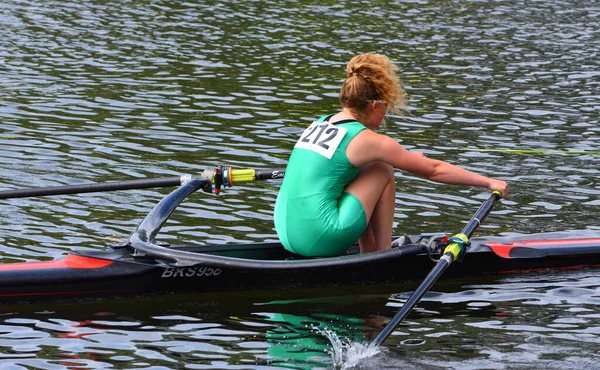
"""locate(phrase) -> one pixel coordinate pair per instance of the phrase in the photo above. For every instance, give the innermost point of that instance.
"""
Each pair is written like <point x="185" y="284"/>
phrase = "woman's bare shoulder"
<point x="369" y="146"/>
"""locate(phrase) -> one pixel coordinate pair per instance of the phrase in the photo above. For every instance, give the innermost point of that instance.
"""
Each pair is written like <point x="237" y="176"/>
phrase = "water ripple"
<point x="109" y="91"/>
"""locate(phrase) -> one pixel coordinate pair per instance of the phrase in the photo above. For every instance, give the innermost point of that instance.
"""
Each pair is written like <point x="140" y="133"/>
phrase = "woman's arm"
<point x="369" y="146"/>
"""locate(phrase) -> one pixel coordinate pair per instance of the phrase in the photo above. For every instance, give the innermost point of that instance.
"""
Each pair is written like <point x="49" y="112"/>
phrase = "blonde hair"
<point x="371" y="77"/>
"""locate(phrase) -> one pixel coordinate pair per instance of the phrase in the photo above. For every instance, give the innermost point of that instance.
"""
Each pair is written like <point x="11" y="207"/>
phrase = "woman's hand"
<point x="499" y="185"/>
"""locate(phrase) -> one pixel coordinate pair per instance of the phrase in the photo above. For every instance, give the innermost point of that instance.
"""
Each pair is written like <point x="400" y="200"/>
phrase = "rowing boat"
<point x="142" y="266"/>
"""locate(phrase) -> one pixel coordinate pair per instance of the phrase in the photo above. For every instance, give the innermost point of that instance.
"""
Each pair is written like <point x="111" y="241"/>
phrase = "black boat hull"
<point x="117" y="272"/>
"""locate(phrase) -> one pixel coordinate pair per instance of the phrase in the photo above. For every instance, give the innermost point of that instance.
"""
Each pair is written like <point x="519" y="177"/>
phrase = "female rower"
<point x="339" y="183"/>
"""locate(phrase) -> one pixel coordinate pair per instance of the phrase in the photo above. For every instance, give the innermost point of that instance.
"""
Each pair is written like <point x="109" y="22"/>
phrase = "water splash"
<point x="347" y="354"/>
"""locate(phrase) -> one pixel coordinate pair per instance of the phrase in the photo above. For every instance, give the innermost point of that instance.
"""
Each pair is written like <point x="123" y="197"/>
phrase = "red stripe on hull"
<point x="70" y="262"/>
<point x="503" y="249"/>
<point x="551" y="243"/>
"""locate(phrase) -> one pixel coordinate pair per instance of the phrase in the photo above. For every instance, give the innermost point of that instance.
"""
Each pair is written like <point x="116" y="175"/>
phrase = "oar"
<point x="221" y="176"/>
<point x="533" y="151"/>
<point x="451" y="253"/>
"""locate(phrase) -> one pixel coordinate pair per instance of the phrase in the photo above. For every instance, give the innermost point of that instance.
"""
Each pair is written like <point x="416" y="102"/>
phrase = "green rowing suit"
<point x="313" y="215"/>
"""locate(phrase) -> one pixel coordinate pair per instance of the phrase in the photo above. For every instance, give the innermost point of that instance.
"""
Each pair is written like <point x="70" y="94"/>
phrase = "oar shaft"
<point x="95" y="187"/>
<point x="441" y="266"/>
<point x="237" y="175"/>
<point x="433" y="276"/>
<point x="232" y="176"/>
<point x="482" y="212"/>
<point x="270" y="174"/>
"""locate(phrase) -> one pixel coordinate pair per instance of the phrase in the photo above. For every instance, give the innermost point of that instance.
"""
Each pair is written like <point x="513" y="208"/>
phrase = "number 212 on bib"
<point x="322" y="138"/>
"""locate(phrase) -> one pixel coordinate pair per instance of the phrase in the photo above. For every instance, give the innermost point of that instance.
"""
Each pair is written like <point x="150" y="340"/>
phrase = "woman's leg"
<point x="375" y="187"/>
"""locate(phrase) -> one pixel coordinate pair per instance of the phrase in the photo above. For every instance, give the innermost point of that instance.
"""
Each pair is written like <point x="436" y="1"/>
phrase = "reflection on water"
<point x="536" y="320"/>
<point x="526" y="321"/>
<point x="316" y="338"/>
<point x="115" y="91"/>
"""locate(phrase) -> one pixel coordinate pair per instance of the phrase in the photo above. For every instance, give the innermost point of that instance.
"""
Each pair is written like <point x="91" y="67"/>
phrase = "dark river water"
<point x="121" y="90"/>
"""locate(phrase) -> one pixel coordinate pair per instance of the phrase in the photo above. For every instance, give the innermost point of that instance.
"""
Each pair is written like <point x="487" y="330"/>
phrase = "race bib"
<point x="322" y="138"/>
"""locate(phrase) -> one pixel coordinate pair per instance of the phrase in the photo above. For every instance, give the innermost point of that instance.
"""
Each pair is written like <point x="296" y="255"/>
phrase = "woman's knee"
<point x="371" y="183"/>
<point x="382" y="169"/>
